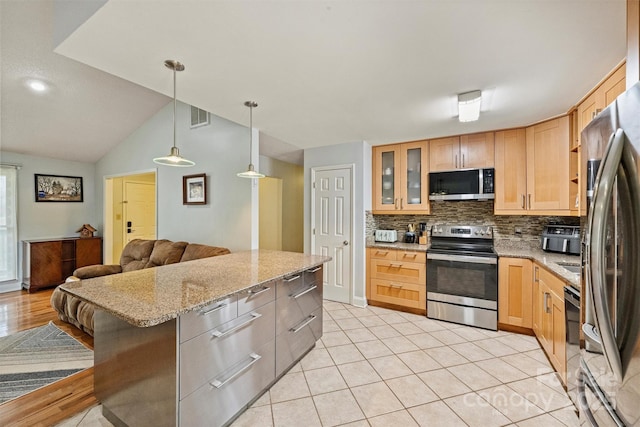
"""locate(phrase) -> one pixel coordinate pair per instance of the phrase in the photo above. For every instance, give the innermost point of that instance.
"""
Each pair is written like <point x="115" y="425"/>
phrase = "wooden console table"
<point x="48" y="262"/>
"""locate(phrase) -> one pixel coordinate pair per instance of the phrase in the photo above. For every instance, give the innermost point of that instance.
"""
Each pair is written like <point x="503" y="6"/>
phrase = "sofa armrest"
<point x="96" y="271"/>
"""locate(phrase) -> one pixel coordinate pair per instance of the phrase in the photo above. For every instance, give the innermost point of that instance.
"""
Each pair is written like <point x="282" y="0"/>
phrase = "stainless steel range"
<point x="462" y="276"/>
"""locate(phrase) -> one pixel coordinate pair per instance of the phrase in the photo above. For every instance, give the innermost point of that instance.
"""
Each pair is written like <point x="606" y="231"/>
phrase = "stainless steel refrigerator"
<point x="609" y="377"/>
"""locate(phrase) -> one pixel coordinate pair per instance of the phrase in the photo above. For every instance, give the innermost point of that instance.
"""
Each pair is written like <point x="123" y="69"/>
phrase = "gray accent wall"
<point x="220" y="150"/>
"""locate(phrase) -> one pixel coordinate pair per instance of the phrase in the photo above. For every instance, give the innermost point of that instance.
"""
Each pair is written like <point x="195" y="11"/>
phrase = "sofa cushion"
<point x="166" y="252"/>
<point x="135" y="255"/>
<point x="197" y="251"/>
<point x="96" y="271"/>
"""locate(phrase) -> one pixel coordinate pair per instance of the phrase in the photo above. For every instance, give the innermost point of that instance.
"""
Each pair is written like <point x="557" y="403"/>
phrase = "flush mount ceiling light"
<point x="174" y="158"/>
<point x="469" y="106"/>
<point x="37" y="85"/>
<point x="250" y="172"/>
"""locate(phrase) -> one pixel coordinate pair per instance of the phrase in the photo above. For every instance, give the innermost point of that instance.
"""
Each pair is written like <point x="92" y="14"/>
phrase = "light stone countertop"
<point x="152" y="296"/>
<point x="511" y="249"/>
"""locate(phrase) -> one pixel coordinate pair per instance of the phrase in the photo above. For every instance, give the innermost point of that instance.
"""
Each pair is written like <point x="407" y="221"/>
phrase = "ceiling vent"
<point x="199" y="117"/>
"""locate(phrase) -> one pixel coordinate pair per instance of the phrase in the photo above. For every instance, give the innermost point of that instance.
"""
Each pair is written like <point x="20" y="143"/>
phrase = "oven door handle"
<point x="463" y="258"/>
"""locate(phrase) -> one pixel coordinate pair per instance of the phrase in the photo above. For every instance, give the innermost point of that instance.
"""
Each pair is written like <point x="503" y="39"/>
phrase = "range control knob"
<point x="482" y="232"/>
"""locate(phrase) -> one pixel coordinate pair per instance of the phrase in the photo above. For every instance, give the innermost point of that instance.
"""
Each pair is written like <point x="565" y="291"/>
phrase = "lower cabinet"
<point x="515" y="292"/>
<point x="549" y="317"/>
<point x="207" y="366"/>
<point x="397" y="277"/>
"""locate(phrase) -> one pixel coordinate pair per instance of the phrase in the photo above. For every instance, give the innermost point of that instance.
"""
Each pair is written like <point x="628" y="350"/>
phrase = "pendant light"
<point x="250" y="172"/>
<point x="174" y="158"/>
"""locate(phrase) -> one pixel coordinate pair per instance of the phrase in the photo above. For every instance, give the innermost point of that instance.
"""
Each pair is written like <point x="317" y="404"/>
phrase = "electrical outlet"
<point x="518" y="231"/>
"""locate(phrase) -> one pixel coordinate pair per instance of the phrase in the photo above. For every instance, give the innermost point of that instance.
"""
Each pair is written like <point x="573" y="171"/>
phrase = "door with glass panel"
<point x="413" y="164"/>
<point x="386" y="178"/>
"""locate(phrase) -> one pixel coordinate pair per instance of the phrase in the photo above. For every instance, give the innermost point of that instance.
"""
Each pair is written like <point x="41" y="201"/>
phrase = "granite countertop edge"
<point x="107" y="292"/>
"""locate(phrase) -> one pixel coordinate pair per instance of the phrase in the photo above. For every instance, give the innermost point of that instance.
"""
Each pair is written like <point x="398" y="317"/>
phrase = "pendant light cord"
<point x="174" y="106"/>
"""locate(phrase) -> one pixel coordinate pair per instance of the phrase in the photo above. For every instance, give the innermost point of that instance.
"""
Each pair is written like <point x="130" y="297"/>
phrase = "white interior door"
<point x="331" y="223"/>
<point x="139" y="211"/>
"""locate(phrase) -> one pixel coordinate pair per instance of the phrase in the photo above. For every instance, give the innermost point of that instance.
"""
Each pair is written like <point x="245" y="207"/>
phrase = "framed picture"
<point x="58" y="188"/>
<point x="194" y="189"/>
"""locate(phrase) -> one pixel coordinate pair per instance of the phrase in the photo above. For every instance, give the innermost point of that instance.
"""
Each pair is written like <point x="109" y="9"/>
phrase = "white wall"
<point x="358" y="153"/>
<point x="220" y="150"/>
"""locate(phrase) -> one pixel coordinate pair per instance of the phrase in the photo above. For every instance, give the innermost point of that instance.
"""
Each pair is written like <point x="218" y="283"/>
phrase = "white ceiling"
<point x="322" y="72"/>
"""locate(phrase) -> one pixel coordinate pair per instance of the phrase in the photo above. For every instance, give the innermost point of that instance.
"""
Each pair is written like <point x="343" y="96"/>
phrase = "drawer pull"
<point x="214" y="309"/>
<point x="291" y="279"/>
<point x="304" y="323"/>
<point x="318" y="268"/>
<point x="391" y="285"/>
<point x="219" y="334"/>
<point x="253" y="293"/>
<point x="394" y="265"/>
<point x="253" y="358"/>
<point x="382" y="253"/>
<point x="409" y="255"/>
<point x="309" y="289"/>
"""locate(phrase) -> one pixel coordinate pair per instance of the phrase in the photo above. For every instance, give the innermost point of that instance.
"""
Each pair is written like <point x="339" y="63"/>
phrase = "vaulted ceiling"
<point x="322" y="72"/>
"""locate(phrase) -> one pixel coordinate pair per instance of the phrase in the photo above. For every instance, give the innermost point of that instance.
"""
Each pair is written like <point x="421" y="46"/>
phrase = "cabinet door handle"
<point x="409" y="255"/>
<point x="401" y="204"/>
<point x="535" y="274"/>
<point x="382" y="253"/>
<point x="298" y="295"/>
<point x="258" y="292"/>
<point x="304" y="323"/>
<point x="394" y="265"/>
<point x="523" y="201"/>
<point x="394" y="286"/>
<point x="456" y="165"/>
<point x="291" y="279"/>
<point x="546" y="302"/>
<point x="395" y="202"/>
<point x="529" y="207"/>
<point x="463" y="160"/>
<point x="219" y="334"/>
<point x="253" y="358"/>
<point x="214" y="309"/>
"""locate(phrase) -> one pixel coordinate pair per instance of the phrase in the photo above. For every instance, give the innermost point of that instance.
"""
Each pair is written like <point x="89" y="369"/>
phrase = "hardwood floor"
<point x="49" y="405"/>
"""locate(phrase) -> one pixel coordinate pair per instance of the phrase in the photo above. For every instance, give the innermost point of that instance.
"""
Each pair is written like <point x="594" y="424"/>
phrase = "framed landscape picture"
<point x="194" y="189"/>
<point x="58" y="188"/>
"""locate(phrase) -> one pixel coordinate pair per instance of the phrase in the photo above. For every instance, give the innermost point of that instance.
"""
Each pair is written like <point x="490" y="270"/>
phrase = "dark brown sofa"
<point x="136" y="255"/>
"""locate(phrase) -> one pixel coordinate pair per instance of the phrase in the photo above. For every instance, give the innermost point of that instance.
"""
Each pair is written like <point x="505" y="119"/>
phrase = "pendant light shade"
<point x="251" y="171"/>
<point x="174" y="158"/>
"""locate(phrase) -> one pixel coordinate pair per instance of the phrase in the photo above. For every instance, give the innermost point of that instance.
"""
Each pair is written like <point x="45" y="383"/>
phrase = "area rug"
<point x="37" y="357"/>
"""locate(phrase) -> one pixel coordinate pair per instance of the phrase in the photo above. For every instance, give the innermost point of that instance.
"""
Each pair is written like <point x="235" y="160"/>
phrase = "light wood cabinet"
<point x="549" y="317"/>
<point x="400" y="183"/>
<point x="397" y="277"/>
<point x="515" y="293"/>
<point x="462" y="152"/>
<point x="532" y="169"/>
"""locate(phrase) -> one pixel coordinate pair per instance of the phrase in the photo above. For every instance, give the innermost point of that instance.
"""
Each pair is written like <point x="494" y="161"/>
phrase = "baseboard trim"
<point x="360" y="302"/>
<point x="10" y="286"/>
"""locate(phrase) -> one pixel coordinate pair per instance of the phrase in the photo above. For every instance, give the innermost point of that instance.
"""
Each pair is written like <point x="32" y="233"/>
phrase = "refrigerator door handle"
<point x="597" y="226"/>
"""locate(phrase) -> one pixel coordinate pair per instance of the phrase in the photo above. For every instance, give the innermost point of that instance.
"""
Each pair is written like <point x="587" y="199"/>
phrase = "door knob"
<point x="346" y="242"/>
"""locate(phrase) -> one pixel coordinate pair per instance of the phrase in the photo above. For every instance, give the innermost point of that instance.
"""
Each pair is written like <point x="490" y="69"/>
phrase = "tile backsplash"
<point x="470" y="213"/>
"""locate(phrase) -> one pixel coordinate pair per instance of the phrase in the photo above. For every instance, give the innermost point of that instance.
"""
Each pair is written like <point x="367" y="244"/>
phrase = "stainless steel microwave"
<point x="470" y="184"/>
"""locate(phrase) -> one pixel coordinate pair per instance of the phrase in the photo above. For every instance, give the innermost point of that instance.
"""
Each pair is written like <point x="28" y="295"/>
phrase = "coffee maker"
<point x="410" y="235"/>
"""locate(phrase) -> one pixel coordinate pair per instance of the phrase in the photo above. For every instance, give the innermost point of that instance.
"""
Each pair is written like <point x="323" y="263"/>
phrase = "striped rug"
<point x="36" y="357"/>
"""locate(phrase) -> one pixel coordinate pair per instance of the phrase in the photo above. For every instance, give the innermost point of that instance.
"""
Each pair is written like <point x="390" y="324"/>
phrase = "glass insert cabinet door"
<point x="414" y="181"/>
<point x="388" y="170"/>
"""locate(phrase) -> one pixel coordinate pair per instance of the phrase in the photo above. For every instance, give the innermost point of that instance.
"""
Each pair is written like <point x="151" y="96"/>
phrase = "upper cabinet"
<point x="400" y="182"/>
<point x="461" y="152"/>
<point x="532" y="169"/>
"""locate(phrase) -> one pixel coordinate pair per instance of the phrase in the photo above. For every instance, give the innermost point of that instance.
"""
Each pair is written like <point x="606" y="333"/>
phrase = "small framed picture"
<point x="58" y="188"/>
<point x="194" y="189"/>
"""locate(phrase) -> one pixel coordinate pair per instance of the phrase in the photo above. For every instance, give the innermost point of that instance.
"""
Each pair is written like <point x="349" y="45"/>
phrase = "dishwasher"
<point x="572" y="323"/>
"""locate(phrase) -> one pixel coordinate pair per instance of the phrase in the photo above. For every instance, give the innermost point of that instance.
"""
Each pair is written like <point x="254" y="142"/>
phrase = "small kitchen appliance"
<point x="410" y="235"/>
<point x="561" y="238"/>
<point x="387" y="236"/>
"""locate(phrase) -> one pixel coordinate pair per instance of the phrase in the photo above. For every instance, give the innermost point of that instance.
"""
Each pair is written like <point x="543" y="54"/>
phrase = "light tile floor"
<point x="378" y="367"/>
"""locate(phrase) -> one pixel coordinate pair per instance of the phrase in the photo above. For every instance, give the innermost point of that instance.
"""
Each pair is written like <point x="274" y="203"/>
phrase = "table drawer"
<point x="411" y="256"/>
<point x="381" y="253"/>
<point x="198" y="321"/>
<point x="211" y="353"/>
<point x="225" y="394"/>
<point x="406" y="272"/>
<point x="255" y="298"/>
<point x="404" y="294"/>
<point x="295" y="341"/>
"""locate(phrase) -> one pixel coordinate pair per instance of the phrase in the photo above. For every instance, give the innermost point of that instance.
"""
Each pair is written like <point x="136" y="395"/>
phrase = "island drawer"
<point x="213" y="352"/>
<point x="256" y="297"/>
<point x="224" y="395"/>
<point x="294" y="307"/>
<point x="208" y="317"/>
<point x="313" y="275"/>
<point x="288" y="285"/>
<point x="295" y="341"/>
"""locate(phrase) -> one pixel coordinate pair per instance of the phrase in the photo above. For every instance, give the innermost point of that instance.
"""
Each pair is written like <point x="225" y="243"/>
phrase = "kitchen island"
<point x="195" y="343"/>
